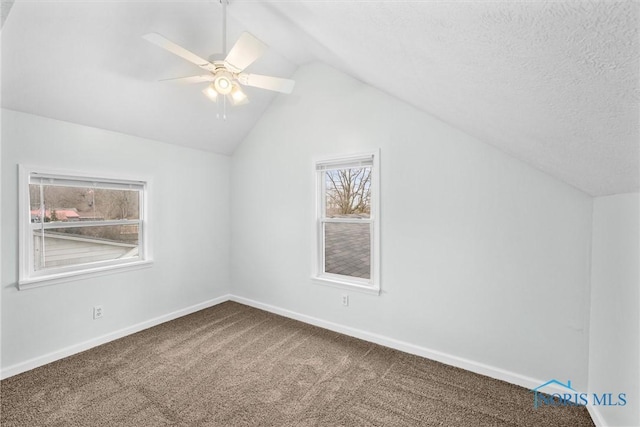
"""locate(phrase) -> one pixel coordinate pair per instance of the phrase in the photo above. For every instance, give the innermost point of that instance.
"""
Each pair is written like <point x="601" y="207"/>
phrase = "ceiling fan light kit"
<point x="210" y="92"/>
<point x="226" y="76"/>
<point x="222" y="83"/>
<point x="238" y="97"/>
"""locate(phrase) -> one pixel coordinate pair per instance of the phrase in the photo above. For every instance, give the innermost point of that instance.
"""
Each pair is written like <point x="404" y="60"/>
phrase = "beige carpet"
<point x="232" y="365"/>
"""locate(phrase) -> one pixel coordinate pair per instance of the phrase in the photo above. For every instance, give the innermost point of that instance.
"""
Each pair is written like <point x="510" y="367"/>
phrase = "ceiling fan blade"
<point x="166" y="44"/>
<point x="191" y="79"/>
<point x="246" y="50"/>
<point x="267" y="82"/>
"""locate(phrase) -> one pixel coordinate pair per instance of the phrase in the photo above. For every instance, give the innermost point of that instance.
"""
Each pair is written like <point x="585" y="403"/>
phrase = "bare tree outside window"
<point x="89" y="203"/>
<point x="117" y="204"/>
<point x="348" y="192"/>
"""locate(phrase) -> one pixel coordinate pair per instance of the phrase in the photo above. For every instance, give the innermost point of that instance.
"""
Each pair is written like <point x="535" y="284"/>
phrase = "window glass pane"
<point x="34" y="201"/>
<point x="64" y="204"/>
<point x="348" y="193"/>
<point x="347" y="249"/>
<point x="59" y="247"/>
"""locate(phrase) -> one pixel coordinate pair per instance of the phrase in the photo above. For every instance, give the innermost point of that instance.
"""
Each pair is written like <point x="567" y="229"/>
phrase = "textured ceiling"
<point x="554" y="83"/>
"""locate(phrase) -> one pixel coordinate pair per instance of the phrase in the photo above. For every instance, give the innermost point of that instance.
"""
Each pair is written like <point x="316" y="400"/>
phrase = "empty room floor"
<point x="233" y="365"/>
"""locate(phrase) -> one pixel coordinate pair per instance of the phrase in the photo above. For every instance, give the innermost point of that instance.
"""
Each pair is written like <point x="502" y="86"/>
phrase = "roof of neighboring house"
<point x="62" y="214"/>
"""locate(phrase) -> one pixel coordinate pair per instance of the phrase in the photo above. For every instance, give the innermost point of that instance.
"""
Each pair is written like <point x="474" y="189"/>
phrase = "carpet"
<point x="233" y="365"/>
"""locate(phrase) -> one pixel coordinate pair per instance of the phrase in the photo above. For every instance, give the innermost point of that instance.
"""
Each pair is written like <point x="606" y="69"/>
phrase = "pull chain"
<point x="224" y="108"/>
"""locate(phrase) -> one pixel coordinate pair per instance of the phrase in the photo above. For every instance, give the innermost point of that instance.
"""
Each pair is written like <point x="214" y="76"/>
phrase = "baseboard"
<point x="596" y="416"/>
<point x="86" y="345"/>
<point x="448" y="359"/>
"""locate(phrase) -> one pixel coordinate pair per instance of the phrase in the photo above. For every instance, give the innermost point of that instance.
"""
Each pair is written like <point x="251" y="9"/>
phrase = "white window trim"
<point x="28" y="279"/>
<point x="318" y="276"/>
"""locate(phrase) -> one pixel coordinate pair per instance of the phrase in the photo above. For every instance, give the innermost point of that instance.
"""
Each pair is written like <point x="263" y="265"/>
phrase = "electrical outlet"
<point x="345" y="300"/>
<point x="97" y="312"/>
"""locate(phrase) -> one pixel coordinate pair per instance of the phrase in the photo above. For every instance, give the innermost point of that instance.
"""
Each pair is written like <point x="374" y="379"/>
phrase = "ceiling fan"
<point x="226" y="76"/>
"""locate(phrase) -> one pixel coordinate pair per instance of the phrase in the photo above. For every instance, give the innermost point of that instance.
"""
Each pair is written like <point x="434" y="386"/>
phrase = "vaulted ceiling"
<point x="553" y="83"/>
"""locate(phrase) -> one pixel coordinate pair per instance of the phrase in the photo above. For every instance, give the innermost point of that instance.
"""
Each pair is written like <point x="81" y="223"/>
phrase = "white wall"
<point x="614" y="350"/>
<point x="483" y="257"/>
<point x="189" y="213"/>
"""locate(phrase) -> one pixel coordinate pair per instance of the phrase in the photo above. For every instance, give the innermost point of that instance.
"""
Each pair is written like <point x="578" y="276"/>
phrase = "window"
<point x="74" y="225"/>
<point x="347" y="222"/>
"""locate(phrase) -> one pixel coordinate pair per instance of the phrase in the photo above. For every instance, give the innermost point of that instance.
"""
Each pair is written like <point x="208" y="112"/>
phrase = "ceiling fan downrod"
<point x="224" y="27"/>
<point x="224" y="54"/>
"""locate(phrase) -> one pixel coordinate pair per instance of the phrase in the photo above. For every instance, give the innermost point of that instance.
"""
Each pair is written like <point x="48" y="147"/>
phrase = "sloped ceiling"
<point x="553" y="83"/>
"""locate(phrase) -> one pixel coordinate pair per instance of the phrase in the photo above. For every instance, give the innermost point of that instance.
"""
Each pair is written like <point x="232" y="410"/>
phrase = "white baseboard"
<point x="596" y="416"/>
<point x="86" y="345"/>
<point x="459" y="362"/>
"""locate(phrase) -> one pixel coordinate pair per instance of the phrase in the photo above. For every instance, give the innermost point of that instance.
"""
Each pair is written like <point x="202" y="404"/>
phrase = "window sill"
<point x="54" y="279"/>
<point x="344" y="284"/>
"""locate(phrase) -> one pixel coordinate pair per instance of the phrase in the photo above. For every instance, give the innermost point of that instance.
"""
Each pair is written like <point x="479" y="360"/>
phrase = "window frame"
<point x="29" y="277"/>
<point x="319" y="276"/>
